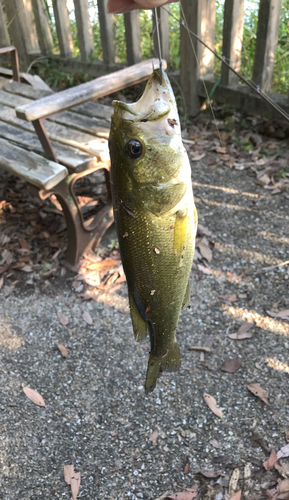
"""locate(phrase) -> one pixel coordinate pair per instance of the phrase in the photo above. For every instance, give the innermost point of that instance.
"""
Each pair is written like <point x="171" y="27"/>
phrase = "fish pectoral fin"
<point x="186" y="299"/>
<point x="139" y="324"/>
<point x="170" y="362"/>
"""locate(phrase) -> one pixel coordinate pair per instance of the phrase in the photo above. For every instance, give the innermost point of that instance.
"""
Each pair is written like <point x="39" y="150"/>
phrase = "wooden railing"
<point x="24" y="23"/>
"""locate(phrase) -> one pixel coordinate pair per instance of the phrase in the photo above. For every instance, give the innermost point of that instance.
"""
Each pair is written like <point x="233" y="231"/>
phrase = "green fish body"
<point x="155" y="217"/>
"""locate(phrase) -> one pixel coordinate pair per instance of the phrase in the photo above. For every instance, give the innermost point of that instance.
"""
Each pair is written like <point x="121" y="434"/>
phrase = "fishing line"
<point x="224" y="60"/>
<point x="159" y="42"/>
<point x="185" y="24"/>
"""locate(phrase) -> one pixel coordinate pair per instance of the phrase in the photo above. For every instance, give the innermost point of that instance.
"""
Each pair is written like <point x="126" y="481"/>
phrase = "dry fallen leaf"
<point x="103" y="264"/>
<point x="234" y="481"/>
<point x="187" y="465"/>
<point x="64" y="320"/>
<point x="212" y="404"/>
<point x="284" y="452"/>
<point x="237" y="495"/>
<point x="270" y="462"/>
<point x="284" y="314"/>
<point x="205" y="250"/>
<point x="197" y="157"/>
<point x="243" y="332"/>
<point x="205" y="270"/>
<point x="228" y="298"/>
<point x="257" y="390"/>
<point x="63" y="350"/>
<point x="87" y="318"/>
<point x="283" y="487"/>
<point x="245" y="327"/>
<point x="203" y="231"/>
<point x="154" y="435"/>
<point x="231" y="365"/>
<point x="75" y="482"/>
<point x="36" y="398"/>
<point x="241" y="336"/>
<point x="72" y="478"/>
<point x="1" y="281"/>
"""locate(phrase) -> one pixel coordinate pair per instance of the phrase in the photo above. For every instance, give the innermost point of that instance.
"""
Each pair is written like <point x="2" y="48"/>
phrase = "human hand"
<point x="122" y="6"/>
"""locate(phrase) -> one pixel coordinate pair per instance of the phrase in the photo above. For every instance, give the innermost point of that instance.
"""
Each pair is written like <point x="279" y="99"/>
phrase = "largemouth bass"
<point x="155" y="217"/>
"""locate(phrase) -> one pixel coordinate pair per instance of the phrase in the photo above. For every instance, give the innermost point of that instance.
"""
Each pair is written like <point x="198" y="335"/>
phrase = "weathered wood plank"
<point x="85" y="124"/>
<point x="4" y="35"/>
<point x="266" y="43"/>
<point x="132" y="37"/>
<point x="94" y="109"/>
<point x="163" y="17"/>
<point x="200" y="16"/>
<point x="91" y="109"/>
<point x="26" y="90"/>
<point x="18" y="30"/>
<point x="73" y="159"/>
<point x="65" y="135"/>
<point x="42" y="26"/>
<point x="107" y="35"/>
<point x="84" y="30"/>
<point x="94" y="126"/>
<point x="232" y="39"/>
<point x="35" y="169"/>
<point x="97" y="88"/>
<point x="63" y="28"/>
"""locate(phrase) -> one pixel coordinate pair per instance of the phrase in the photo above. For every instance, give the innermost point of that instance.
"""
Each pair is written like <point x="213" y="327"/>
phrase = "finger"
<point x="120" y="6"/>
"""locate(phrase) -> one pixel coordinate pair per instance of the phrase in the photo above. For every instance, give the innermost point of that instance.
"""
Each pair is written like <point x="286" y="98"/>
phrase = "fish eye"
<point x="134" y="148"/>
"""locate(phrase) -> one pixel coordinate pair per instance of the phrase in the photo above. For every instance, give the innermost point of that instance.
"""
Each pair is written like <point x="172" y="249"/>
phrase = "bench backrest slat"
<point x="99" y="87"/>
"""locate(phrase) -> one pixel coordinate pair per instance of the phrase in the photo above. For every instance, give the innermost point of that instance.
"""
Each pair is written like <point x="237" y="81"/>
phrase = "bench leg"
<point x="81" y="238"/>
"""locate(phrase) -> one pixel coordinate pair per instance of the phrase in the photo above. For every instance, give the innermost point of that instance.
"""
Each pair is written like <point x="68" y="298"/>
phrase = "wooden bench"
<point x="51" y="147"/>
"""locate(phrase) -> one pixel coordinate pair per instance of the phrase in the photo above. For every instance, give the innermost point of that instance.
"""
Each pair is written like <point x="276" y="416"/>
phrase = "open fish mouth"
<point x="157" y="103"/>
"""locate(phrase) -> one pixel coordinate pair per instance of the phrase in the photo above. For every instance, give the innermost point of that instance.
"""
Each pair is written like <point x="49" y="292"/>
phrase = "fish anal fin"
<point x="169" y="361"/>
<point x="186" y="299"/>
<point x="139" y="324"/>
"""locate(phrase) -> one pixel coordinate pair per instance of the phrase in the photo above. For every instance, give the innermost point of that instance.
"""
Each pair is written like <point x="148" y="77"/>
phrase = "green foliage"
<point x="282" y="173"/>
<point x="56" y="79"/>
<point x="174" y="20"/>
<point x="281" y="69"/>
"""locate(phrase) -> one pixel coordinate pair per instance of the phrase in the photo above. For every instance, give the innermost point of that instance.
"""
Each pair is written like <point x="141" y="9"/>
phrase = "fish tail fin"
<point x="170" y="361"/>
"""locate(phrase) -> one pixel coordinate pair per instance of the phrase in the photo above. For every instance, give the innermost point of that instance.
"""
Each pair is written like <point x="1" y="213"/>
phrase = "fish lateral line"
<point x="127" y="209"/>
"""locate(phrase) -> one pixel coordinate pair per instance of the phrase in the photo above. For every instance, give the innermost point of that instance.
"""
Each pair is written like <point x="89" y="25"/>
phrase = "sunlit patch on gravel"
<point x="8" y="338"/>
<point x="261" y="321"/>
<point x="277" y="365"/>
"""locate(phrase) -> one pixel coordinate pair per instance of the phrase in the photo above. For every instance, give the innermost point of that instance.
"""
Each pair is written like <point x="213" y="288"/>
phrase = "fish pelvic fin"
<point x="170" y="362"/>
<point x="139" y="324"/>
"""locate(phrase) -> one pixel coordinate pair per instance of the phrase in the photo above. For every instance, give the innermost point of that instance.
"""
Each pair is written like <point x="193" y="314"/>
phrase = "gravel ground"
<point x="97" y="416"/>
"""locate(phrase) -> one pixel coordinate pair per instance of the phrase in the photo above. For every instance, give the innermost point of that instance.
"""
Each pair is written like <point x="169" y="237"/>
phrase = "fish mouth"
<point x="156" y="103"/>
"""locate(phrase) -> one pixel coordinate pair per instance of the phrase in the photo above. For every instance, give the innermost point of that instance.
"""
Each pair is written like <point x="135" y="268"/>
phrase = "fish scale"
<point x="155" y="217"/>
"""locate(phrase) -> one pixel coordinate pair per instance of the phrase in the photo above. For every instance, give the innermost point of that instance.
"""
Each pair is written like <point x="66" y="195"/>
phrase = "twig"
<point x="199" y="348"/>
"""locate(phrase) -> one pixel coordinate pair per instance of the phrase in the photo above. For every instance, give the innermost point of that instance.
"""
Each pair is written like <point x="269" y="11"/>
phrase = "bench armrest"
<point x="104" y="85"/>
<point x="14" y="61"/>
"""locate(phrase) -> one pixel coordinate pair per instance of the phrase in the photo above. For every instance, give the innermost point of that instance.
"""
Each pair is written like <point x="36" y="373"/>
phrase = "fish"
<point x="155" y="217"/>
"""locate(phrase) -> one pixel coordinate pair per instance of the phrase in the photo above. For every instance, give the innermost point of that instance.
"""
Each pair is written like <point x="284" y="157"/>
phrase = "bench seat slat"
<point x="90" y="125"/>
<point x="73" y="159"/>
<point x="93" y="145"/>
<point x="29" y="166"/>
